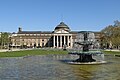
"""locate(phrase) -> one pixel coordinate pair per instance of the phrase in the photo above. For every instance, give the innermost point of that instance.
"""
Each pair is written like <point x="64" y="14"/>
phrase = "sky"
<point x="45" y="15"/>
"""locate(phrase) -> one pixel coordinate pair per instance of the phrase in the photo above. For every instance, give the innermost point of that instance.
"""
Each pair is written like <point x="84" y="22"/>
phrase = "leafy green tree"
<point x="110" y="36"/>
<point x="4" y="40"/>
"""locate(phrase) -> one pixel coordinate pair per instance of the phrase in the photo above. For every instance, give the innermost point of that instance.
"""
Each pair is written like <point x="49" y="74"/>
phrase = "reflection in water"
<point x="52" y="67"/>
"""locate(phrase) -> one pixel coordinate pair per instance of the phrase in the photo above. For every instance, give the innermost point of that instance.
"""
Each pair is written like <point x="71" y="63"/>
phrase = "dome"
<point x="62" y="26"/>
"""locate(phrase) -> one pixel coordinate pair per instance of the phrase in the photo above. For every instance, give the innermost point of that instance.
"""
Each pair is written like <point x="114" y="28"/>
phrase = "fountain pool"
<point x="53" y="67"/>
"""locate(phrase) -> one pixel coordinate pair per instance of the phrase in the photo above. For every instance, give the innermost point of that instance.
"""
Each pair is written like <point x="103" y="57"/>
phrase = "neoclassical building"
<point x="60" y="37"/>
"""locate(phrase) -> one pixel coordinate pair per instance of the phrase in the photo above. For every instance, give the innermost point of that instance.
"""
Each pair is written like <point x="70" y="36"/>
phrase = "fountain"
<point x="86" y="47"/>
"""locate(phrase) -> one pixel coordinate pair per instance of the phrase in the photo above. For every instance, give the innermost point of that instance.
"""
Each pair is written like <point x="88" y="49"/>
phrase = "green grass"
<point x="40" y="52"/>
<point x="31" y="52"/>
<point x="111" y="52"/>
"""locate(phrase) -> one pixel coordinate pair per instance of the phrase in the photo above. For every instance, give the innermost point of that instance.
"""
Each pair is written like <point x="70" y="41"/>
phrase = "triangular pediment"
<point x="61" y="31"/>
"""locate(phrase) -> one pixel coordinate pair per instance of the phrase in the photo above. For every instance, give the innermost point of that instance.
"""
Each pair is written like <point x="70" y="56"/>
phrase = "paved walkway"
<point x="6" y="50"/>
<point x="116" y="50"/>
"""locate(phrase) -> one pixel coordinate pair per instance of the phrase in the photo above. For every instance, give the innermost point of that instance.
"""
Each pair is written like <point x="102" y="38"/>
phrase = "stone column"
<point x="71" y="42"/>
<point x="64" y="40"/>
<point x="61" y="41"/>
<point x="36" y="42"/>
<point x="68" y="41"/>
<point x="54" y="41"/>
<point x="57" y="41"/>
<point x="41" y="42"/>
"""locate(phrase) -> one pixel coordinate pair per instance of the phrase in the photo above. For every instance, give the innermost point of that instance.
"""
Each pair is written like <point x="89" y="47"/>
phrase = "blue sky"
<point x="45" y="15"/>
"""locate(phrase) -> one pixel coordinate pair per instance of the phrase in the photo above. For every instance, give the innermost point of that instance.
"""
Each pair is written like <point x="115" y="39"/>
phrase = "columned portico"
<point x="59" y="40"/>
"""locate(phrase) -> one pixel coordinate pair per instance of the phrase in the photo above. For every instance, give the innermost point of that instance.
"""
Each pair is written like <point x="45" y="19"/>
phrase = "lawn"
<point x="31" y="52"/>
<point x="41" y="52"/>
<point x="111" y="52"/>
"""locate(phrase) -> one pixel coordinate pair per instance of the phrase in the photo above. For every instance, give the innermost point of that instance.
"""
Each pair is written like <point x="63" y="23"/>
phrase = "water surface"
<point x="54" y="67"/>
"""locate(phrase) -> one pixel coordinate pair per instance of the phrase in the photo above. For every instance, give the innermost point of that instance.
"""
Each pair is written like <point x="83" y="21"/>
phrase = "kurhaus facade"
<point x="60" y="37"/>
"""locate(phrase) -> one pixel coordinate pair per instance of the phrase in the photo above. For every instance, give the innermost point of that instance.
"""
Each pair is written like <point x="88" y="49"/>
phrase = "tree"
<point x="116" y="23"/>
<point x="110" y="36"/>
<point x="4" y="40"/>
